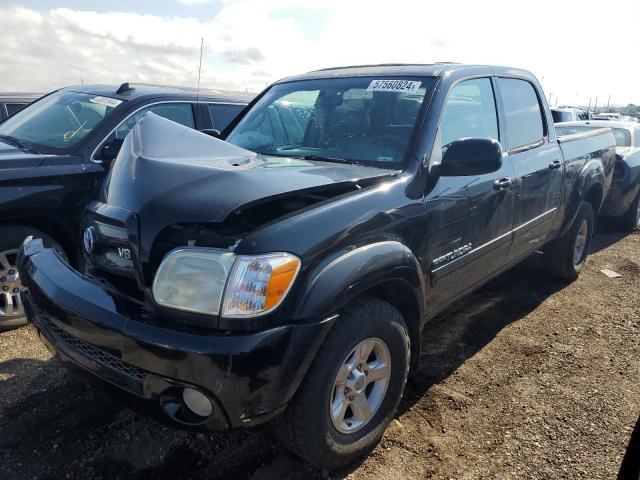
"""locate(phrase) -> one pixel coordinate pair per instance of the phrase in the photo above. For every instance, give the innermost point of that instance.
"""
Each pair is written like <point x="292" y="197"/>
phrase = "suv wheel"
<point x="11" y="237"/>
<point x="564" y="257"/>
<point x="352" y="389"/>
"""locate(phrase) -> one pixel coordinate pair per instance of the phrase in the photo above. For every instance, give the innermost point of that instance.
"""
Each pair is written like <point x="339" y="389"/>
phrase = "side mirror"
<point x="109" y="150"/>
<point x="212" y="132"/>
<point x="471" y="156"/>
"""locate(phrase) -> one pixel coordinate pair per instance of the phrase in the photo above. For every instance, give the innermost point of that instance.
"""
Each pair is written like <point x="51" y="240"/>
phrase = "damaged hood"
<point x="167" y="173"/>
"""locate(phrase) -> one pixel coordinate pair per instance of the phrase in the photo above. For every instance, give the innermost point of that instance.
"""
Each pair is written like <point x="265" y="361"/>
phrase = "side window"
<point x="223" y="113"/>
<point x="637" y="137"/>
<point x="470" y="112"/>
<point x="14" y="107"/>
<point x="178" y="112"/>
<point x="522" y="111"/>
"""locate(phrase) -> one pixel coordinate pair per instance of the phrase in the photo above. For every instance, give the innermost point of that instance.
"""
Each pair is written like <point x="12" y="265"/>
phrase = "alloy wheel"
<point x="581" y="242"/>
<point x="10" y="286"/>
<point x="360" y="385"/>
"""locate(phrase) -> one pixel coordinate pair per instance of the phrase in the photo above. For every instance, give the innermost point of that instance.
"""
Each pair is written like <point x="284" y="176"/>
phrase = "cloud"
<point x="42" y="50"/>
<point x="244" y="55"/>
<point x="194" y="2"/>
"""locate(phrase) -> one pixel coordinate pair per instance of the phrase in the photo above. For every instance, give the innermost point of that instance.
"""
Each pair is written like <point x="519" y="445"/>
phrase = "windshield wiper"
<point x="23" y="144"/>
<point x="320" y="158"/>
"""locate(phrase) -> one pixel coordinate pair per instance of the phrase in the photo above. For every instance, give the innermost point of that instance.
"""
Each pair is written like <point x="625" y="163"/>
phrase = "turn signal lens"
<point x="258" y="284"/>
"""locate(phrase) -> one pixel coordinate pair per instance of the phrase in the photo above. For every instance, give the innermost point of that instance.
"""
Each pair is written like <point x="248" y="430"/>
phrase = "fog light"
<point x="197" y="402"/>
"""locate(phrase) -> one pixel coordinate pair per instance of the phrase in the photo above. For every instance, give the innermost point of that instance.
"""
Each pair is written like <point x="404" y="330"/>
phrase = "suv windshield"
<point x="360" y="119"/>
<point x="55" y="123"/>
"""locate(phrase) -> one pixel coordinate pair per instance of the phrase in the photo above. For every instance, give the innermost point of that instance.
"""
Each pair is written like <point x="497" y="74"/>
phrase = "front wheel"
<point x="352" y="389"/>
<point x="565" y="256"/>
<point x="11" y="237"/>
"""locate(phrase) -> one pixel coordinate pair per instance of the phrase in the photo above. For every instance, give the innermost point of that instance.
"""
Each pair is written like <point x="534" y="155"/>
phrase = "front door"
<point x="470" y="217"/>
<point x="536" y="162"/>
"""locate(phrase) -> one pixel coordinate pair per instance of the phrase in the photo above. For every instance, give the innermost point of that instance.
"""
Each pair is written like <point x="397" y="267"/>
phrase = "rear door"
<point x="470" y="217"/>
<point x="536" y="161"/>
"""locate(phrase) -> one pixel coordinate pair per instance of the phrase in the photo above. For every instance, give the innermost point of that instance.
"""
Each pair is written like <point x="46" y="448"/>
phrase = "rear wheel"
<point x="564" y="257"/>
<point x="352" y="389"/>
<point x="11" y="237"/>
<point x="630" y="220"/>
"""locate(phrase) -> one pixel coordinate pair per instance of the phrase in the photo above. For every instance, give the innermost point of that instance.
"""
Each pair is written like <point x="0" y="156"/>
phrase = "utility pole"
<point x="595" y="109"/>
<point x="608" y="101"/>
<point x="589" y="107"/>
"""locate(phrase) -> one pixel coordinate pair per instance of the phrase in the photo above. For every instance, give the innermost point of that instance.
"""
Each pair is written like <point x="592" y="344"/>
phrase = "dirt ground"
<point x="525" y="378"/>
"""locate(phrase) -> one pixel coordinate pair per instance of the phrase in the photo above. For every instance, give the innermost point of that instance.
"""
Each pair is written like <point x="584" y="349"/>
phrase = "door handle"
<point x="502" y="183"/>
<point x="555" y="164"/>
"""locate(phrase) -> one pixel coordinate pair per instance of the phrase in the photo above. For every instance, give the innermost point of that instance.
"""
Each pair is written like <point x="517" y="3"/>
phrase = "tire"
<point x="565" y="256"/>
<point x="308" y="427"/>
<point x="630" y="220"/>
<point x="11" y="237"/>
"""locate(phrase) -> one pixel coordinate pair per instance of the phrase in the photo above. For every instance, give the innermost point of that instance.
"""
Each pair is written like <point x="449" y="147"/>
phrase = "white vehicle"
<point x="607" y="116"/>
<point x="569" y="114"/>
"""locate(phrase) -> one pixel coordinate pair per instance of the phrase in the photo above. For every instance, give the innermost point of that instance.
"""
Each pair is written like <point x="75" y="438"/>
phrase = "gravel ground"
<point x="525" y="378"/>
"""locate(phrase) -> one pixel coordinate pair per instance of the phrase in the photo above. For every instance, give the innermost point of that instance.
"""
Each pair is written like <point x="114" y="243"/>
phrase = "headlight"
<point x="194" y="280"/>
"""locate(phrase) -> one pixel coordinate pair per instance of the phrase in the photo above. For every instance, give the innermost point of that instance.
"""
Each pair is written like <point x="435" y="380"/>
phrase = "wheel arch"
<point x="386" y="270"/>
<point x="59" y="230"/>
<point x="594" y="196"/>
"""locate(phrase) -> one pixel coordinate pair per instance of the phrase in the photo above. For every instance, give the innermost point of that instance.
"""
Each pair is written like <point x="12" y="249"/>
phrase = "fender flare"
<point x="348" y="275"/>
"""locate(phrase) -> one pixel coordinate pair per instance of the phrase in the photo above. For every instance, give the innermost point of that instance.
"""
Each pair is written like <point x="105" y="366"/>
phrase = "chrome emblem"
<point x="450" y="256"/>
<point x="124" y="253"/>
<point x="89" y="239"/>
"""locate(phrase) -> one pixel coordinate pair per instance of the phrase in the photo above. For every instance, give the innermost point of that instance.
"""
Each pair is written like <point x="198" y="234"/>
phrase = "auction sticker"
<point x="393" y="86"/>
<point x="109" y="102"/>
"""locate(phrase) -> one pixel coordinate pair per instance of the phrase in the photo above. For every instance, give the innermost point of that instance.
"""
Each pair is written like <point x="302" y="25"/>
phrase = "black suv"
<point x="55" y="153"/>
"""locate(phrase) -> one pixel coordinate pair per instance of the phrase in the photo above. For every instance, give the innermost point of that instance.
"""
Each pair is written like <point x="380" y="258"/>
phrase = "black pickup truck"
<point x="287" y="273"/>
<point x="55" y="153"/>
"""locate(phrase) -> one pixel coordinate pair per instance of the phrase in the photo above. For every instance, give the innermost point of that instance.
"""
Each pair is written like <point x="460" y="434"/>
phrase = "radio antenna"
<point x="199" y="69"/>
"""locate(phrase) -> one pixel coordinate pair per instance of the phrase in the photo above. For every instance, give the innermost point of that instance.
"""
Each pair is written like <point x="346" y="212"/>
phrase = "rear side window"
<point x="623" y="137"/>
<point x="522" y="112"/>
<point x="14" y="107"/>
<point x="470" y="112"/>
<point x="223" y="113"/>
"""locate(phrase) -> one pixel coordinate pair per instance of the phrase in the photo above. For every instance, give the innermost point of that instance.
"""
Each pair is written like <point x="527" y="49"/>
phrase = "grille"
<point x="92" y="352"/>
<point x="111" y="251"/>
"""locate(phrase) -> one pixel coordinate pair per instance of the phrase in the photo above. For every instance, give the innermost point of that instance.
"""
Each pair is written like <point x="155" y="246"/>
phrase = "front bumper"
<point x="249" y="378"/>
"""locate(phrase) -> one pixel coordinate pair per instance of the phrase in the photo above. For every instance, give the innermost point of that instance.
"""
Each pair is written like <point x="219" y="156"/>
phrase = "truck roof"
<point x="409" y="69"/>
<point x="141" y="90"/>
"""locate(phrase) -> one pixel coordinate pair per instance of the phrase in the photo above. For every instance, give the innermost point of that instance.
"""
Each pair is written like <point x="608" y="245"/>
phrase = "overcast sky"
<point x="579" y="49"/>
